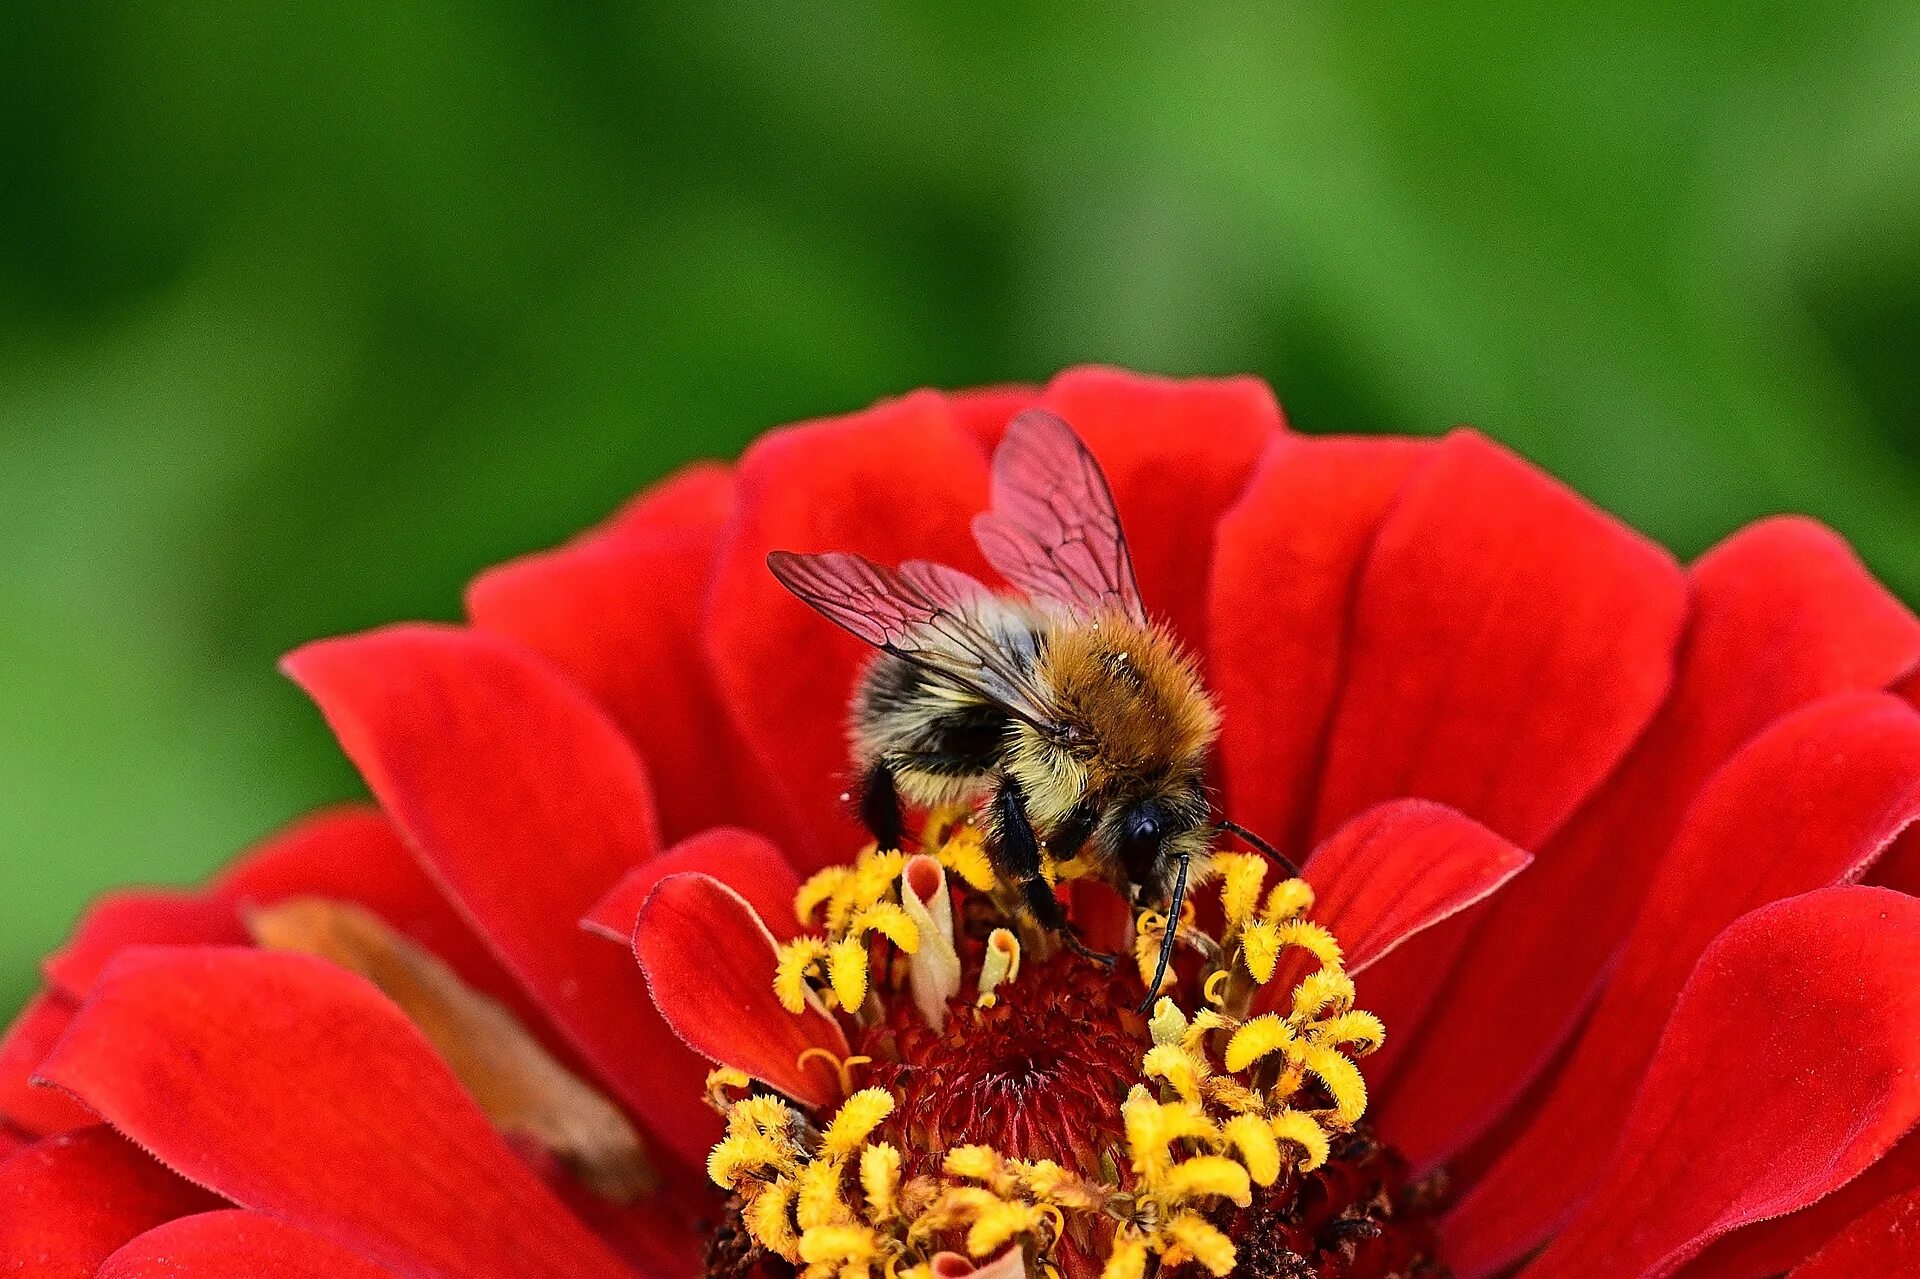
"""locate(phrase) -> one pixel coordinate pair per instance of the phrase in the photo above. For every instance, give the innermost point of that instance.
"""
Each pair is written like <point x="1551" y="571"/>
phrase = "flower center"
<point x="1038" y="1074"/>
<point x="1031" y="1116"/>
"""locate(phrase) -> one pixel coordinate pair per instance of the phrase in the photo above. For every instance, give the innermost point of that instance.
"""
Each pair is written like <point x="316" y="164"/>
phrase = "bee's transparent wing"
<point x="1053" y="530"/>
<point x="925" y="613"/>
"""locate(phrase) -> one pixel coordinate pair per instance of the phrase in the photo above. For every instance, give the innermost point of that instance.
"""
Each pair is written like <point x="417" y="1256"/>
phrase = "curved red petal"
<point x="1808" y="803"/>
<point x="1177" y="454"/>
<point x="1769" y="1248"/>
<point x="294" y="1088"/>
<point x="740" y="859"/>
<point x="351" y="853"/>
<point x="138" y="917"/>
<point x="710" y="964"/>
<point x="1885" y="1241"/>
<point x="898" y="481"/>
<point x="67" y="1202"/>
<point x="1390" y="874"/>
<point x="525" y="802"/>
<point x="235" y="1244"/>
<point x="1509" y="642"/>
<point x="984" y="411"/>
<point x="37" y="1111"/>
<point x="620" y="611"/>
<point x="1747" y="1112"/>
<point x="1783" y="615"/>
<point x="1287" y="557"/>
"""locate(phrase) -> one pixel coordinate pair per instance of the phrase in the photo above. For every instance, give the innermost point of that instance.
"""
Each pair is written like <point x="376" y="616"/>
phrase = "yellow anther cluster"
<point x="1228" y="1102"/>
<point x="848" y="903"/>
<point x="835" y="1201"/>
<point x="859" y="900"/>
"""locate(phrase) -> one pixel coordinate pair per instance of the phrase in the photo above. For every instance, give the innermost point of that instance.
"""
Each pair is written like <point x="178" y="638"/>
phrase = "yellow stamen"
<point x="821" y="1203"/>
<point x="978" y="1163"/>
<point x="821" y="886"/>
<point x="1256" y="1039"/>
<point x="1361" y="1031"/>
<point x="1178" y="1067"/>
<point x="1128" y="1260"/>
<point x="1303" y="1130"/>
<point x="847" y="971"/>
<point x="794" y="963"/>
<point x="1205" y="1176"/>
<point x="1289" y="899"/>
<point x="1260" y="948"/>
<point x="1259" y="1149"/>
<point x="1241" y="875"/>
<point x="723" y="1080"/>
<point x="880" y="1180"/>
<point x="1342" y="1079"/>
<point x="842" y="1066"/>
<point x="1204" y="1241"/>
<point x="1312" y="938"/>
<point x="891" y="921"/>
<point x="995" y="1225"/>
<point x="769" y="1218"/>
<point x="855" y="1121"/>
<point x="965" y="854"/>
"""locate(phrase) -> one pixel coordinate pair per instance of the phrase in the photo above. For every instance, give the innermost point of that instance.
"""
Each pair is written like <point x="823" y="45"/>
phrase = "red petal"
<point x="295" y="1089"/>
<point x="710" y="963"/>
<point x="235" y="1245"/>
<point x="739" y="859"/>
<point x="1393" y="872"/>
<point x="1509" y="642"/>
<point x="526" y="803"/>
<point x="68" y="1201"/>
<point x="1287" y="556"/>
<point x="138" y="917"/>
<point x="1808" y="803"/>
<point x="899" y="481"/>
<point x="1791" y="1063"/>
<point x="1775" y="1247"/>
<point x="985" y="411"/>
<point x="352" y="853"/>
<point x="1783" y="615"/>
<point x="1177" y="455"/>
<point x="1885" y="1241"/>
<point x="37" y="1111"/>
<point x="620" y="612"/>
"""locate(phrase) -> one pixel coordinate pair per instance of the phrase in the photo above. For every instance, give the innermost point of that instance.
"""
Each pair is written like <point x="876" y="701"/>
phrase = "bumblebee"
<point x="1067" y="718"/>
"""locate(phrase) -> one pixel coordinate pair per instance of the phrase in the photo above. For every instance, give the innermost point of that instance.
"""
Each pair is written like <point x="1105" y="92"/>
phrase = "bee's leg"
<point x="880" y="806"/>
<point x="1017" y="849"/>
<point x="1172" y="936"/>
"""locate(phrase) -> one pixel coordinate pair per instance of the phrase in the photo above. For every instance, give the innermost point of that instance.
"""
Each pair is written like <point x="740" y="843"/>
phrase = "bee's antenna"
<point x="1172" y="936"/>
<point x="1285" y="862"/>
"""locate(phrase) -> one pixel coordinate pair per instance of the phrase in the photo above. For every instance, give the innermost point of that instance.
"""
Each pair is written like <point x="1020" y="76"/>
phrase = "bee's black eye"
<point x="1146" y="823"/>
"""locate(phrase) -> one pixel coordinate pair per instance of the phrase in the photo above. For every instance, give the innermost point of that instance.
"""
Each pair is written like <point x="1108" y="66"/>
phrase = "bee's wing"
<point x="924" y="613"/>
<point x="1053" y="531"/>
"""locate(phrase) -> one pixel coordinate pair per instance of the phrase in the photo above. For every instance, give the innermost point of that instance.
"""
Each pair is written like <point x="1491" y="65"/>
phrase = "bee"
<point x="1071" y="722"/>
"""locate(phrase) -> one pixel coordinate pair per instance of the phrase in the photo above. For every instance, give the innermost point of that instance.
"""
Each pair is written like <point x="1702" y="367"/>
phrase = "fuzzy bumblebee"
<point x="1068" y="718"/>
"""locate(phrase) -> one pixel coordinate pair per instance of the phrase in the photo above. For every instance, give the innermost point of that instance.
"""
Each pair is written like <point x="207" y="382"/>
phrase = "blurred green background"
<point x="307" y="312"/>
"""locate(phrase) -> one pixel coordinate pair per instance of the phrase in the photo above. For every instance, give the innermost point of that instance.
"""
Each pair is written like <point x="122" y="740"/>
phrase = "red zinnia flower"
<point x="1683" y="1037"/>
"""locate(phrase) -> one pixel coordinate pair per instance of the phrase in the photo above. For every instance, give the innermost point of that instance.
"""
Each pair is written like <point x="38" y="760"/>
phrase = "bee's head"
<point x="1151" y="832"/>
